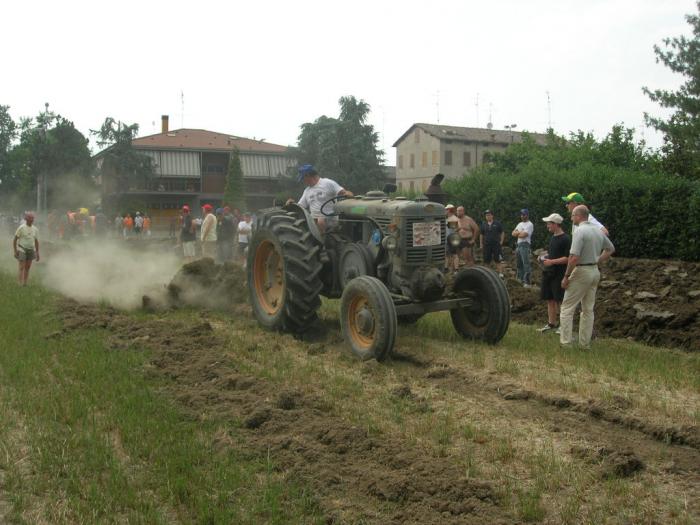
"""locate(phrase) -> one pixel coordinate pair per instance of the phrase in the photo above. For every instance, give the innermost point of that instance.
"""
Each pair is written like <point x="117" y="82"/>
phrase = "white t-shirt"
<point x="525" y="227"/>
<point x="244" y="229"/>
<point x="592" y="220"/>
<point x="138" y="221"/>
<point x="26" y="235"/>
<point x="314" y="196"/>
<point x="208" y="228"/>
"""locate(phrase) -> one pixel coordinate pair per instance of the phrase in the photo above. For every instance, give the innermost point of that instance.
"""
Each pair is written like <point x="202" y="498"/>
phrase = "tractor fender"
<point x="313" y="228"/>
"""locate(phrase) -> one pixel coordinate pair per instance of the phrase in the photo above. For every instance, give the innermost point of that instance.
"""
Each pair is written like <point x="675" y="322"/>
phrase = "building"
<point x="191" y="167"/>
<point x="426" y="149"/>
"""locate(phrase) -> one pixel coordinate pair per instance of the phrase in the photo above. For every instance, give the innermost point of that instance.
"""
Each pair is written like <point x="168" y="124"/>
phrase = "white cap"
<point x="554" y="217"/>
<point x="449" y="206"/>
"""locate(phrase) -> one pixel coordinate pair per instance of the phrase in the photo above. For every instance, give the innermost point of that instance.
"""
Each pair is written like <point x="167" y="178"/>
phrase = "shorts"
<point x="26" y="255"/>
<point x="550" y="289"/>
<point x="492" y="252"/>
<point x="188" y="249"/>
<point x="466" y="243"/>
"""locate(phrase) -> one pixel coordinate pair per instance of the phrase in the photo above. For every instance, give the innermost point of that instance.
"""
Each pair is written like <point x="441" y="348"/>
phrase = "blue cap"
<point x="219" y="211"/>
<point x="524" y="212"/>
<point x="306" y="169"/>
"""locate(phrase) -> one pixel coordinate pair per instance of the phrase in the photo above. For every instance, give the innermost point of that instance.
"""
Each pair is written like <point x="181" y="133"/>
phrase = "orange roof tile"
<point x="201" y="139"/>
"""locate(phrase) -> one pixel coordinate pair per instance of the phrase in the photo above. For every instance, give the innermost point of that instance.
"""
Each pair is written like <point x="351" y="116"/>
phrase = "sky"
<point x="261" y="69"/>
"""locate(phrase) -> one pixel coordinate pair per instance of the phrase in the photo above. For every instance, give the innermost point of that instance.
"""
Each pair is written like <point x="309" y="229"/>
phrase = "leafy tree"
<point x="682" y="130"/>
<point x="344" y="148"/>
<point x="122" y="165"/>
<point x="8" y="134"/>
<point x="234" y="193"/>
<point x="53" y="151"/>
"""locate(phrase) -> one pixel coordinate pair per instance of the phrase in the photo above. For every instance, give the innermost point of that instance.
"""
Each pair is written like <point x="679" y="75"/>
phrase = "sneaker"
<point x="526" y="285"/>
<point x="558" y="330"/>
<point x="545" y="328"/>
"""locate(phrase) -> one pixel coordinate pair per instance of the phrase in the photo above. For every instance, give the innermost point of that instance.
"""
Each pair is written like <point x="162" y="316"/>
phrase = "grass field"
<point x="101" y="425"/>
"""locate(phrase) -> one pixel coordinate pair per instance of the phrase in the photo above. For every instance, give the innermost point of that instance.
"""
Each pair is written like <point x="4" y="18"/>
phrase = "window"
<point x="424" y="159"/>
<point x="411" y="186"/>
<point x="448" y="157"/>
<point x="416" y="135"/>
<point x="467" y="161"/>
<point x="413" y="161"/>
<point x="435" y="158"/>
<point x="400" y="162"/>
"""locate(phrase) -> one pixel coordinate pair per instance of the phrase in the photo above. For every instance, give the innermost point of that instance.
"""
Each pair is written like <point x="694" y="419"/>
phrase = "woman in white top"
<point x="26" y="247"/>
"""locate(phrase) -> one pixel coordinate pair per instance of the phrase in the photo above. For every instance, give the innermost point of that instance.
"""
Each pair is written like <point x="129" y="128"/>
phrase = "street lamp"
<point x="511" y="128"/>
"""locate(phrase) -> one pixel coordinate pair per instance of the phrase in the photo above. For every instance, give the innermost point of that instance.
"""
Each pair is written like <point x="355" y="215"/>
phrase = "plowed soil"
<point x="654" y="301"/>
<point x="361" y="474"/>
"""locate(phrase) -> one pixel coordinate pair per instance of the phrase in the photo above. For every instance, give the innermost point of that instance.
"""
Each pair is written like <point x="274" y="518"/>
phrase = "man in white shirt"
<point x="589" y="248"/>
<point x="575" y="199"/>
<point x="208" y="232"/>
<point x="523" y="232"/>
<point x="318" y="191"/>
<point x="25" y="246"/>
<point x="245" y="228"/>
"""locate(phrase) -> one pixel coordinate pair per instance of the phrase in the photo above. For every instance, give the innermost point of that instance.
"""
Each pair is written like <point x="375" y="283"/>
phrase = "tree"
<point x="53" y="155"/>
<point x="682" y="130"/>
<point x="121" y="164"/>
<point x="8" y="134"/>
<point x="234" y="193"/>
<point x="344" y="148"/>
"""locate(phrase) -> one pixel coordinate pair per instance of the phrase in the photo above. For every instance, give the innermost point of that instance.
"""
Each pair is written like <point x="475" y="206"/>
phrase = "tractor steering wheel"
<point x="336" y="198"/>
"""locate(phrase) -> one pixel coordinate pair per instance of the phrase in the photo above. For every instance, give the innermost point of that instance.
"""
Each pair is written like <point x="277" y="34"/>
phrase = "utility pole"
<point x="549" y="112"/>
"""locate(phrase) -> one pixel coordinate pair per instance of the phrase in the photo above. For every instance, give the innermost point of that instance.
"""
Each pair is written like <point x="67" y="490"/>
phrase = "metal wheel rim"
<point x="358" y="308"/>
<point x="268" y="277"/>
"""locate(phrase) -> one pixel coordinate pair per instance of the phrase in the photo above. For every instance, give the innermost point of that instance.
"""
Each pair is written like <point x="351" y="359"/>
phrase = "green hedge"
<point x="649" y="214"/>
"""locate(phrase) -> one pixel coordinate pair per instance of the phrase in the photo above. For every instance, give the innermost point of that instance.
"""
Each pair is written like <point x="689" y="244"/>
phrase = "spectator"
<point x="100" y="223"/>
<point x="451" y="252"/>
<point x="318" y="191"/>
<point x="25" y="246"/>
<point x="208" y="232"/>
<point x="147" y="225"/>
<point x="492" y="237"/>
<point x="589" y="247"/>
<point x="574" y="199"/>
<point x="187" y="235"/>
<point x="523" y="232"/>
<point x="118" y="222"/>
<point x="245" y="229"/>
<point x="138" y="223"/>
<point x="554" y="262"/>
<point x="468" y="230"/>
<point x="128" y="225"/>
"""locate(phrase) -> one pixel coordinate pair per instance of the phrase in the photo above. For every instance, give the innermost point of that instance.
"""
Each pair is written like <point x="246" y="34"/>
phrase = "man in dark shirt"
<point x="492" y="236"/>
<point x="554" y="266"/>
<point x="187" y="235"/>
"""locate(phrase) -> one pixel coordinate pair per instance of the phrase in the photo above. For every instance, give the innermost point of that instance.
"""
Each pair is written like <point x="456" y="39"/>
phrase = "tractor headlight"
<point x="390" y="243"/>
<point x="454" y="239"/>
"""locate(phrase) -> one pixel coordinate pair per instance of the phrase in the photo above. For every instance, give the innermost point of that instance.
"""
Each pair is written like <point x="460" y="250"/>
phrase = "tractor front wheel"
<point x="368" y="318"/>
<point x="487" y="319"/>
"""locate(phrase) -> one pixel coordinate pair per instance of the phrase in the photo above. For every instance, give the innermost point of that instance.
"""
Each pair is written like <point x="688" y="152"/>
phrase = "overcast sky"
<point x="260" y="69"/>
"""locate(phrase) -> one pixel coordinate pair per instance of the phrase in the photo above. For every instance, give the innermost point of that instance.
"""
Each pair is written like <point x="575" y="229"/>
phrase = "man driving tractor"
<point x="318" y="191"/>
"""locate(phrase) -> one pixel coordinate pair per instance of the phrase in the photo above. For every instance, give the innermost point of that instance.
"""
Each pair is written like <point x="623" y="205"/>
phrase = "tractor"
<point x="383" y="257"/>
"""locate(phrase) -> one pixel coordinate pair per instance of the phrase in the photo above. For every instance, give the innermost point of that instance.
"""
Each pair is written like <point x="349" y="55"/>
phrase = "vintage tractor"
<point x="384" y="257"/>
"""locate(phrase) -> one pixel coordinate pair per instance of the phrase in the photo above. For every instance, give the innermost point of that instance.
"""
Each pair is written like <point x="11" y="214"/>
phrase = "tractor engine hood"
<point x="381" y="206"/>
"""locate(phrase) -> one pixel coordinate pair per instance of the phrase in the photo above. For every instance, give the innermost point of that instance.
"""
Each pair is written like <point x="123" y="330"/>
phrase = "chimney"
<point x="164" y="124"/>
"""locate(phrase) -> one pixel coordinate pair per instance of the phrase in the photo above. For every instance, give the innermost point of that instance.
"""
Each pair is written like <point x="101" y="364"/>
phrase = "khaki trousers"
<point x="583" y="285"/>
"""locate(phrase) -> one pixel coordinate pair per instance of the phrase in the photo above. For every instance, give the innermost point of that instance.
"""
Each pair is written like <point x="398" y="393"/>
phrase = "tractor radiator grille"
<point x="424" y="254"/>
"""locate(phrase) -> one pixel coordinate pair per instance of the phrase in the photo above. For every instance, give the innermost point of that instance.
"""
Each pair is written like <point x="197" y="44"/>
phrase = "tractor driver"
<point x="319" y="190"/>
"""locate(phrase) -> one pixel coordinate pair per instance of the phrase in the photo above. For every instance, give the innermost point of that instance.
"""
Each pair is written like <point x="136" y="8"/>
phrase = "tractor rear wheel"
<point x="488" y="318"/>
<point x="368" y="318"/>
<point x="283" y="273"/>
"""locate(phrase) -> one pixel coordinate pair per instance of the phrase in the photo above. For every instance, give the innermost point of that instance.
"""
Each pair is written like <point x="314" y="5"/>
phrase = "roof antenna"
<point x="549" y="112"/>
<point x="182" y="109"/>
<point x="437" y="105"/>
<point x="489" y="125"/>
<point x="477" y="110"/>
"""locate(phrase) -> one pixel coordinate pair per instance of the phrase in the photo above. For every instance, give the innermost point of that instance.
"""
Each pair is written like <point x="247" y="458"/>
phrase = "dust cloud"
<point x="107" y="271"/>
